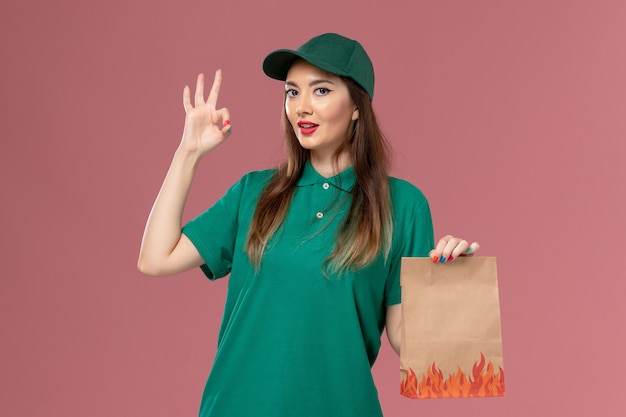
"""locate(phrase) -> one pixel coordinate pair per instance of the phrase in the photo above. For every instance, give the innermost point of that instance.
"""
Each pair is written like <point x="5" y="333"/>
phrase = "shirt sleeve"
<point x="214" y="232"/>
<point x="413" y="235"/>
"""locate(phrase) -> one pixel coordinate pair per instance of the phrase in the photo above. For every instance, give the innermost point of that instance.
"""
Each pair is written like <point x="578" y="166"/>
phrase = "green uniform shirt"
<point x="292" y="341"/>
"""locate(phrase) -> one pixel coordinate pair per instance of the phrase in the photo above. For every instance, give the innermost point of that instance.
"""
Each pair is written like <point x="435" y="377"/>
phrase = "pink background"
<point x="509" y="115"/>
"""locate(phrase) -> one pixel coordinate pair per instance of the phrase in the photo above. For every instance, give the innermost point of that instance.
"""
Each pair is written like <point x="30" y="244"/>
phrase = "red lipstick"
<point x="306" y="127"/>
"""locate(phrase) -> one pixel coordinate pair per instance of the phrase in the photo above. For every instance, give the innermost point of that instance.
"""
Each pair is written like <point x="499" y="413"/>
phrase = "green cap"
<point x="330" y="52"/>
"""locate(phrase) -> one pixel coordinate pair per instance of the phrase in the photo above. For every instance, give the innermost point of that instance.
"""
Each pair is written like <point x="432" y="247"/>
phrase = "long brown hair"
<point x="367" y="229"/>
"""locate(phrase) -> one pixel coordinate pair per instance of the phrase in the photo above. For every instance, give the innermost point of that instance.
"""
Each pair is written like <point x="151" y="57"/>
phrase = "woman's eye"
<point x="291" y="92"/>
<point x="322" y="91"/>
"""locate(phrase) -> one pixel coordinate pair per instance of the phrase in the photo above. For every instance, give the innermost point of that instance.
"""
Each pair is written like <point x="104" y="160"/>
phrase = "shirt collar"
<point x="344" y="180"/>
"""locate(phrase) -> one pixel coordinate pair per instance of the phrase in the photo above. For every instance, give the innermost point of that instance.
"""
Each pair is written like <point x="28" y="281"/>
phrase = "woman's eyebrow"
<point x="311" y="84"/>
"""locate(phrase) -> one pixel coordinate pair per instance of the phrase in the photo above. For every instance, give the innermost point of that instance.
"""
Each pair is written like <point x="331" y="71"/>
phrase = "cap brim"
<point x="276" y="65"/>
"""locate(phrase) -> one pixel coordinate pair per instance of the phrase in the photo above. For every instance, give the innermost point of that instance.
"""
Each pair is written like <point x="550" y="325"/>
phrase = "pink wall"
<point x="510" y="115"/>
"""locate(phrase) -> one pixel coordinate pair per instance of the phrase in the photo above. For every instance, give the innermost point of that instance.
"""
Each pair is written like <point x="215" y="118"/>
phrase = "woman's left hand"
<point x="450" y="247"/>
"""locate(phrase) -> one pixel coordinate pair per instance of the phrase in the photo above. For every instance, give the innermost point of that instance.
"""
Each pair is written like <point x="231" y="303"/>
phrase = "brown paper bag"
<point x="451" y="343"/>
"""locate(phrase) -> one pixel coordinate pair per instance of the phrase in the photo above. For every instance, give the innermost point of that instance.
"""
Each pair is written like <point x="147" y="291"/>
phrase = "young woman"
<point x="313" y="248"/>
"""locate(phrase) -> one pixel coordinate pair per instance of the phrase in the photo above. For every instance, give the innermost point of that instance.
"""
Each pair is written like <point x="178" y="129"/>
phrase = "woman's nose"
<point x="303" y="106"/>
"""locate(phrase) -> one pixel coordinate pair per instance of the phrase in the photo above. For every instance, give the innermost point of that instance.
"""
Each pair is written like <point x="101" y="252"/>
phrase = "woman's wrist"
<point x="187" y="157"/>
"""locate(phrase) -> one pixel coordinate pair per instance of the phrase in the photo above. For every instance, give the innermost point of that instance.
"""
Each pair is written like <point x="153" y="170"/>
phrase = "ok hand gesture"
<point x="205" y="125"/>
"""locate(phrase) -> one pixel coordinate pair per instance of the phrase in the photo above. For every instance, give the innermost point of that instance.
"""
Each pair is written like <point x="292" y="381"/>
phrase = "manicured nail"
<point x="451" y="258"/>
<point x="435" y="259"/>
<point x="470" y="250"/>
<point x="226" y="122"/>
<point x="442" y="259"/>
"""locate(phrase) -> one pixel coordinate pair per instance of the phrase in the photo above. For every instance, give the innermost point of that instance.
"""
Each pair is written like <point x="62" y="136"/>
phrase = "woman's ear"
<point x="355" y="113"/>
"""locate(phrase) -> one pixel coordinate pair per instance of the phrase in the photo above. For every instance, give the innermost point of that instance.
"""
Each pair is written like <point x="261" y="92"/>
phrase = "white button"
<point x="326" y="186"/>
<point x="319" y="214"/>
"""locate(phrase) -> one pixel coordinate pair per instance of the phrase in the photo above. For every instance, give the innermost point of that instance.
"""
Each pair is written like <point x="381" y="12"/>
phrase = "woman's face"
<point x="319" y="108"/>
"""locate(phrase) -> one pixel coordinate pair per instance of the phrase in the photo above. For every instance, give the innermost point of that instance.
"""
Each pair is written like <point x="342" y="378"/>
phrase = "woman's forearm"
<point x="163" y="228"/>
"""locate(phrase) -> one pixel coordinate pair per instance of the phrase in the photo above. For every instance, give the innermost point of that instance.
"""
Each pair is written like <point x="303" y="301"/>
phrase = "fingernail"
<point x="435" y="259"/>
<point x="451" y="258"/>
<point x="470" y="250"/>
<point x="226" y="122"/>
<point x="442" y="259"/>
<point x="229" y="129"/>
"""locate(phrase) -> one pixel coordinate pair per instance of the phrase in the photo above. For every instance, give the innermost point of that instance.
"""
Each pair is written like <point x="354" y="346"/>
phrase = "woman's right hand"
<point x="205" y="125"/>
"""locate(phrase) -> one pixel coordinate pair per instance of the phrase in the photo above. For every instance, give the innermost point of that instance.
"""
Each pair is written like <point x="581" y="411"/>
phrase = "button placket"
<point x="323" y="197"/>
